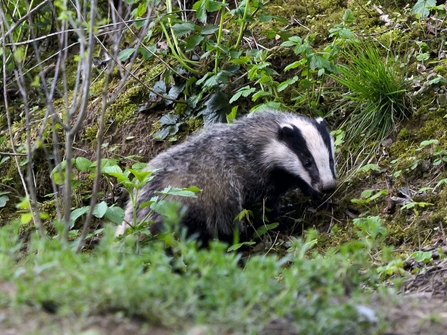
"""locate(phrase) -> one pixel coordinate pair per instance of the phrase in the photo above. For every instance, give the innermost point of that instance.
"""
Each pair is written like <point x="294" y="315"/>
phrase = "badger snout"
<point x="329" y="187"/>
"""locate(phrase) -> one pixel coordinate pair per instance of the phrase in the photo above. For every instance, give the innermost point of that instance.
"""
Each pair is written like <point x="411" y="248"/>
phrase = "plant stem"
<point x="243" y="24"/>
<point x="219" y="38"/>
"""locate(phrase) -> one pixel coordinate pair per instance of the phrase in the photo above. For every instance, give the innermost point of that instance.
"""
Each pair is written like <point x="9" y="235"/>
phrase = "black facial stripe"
<point x="294" y="139"/>
<point x="324" y="132"/>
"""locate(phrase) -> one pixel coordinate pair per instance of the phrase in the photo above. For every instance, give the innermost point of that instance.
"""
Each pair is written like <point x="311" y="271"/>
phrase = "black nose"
<point x="329" y="187"/>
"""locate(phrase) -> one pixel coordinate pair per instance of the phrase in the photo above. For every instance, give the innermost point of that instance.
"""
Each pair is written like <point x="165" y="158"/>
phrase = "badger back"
<point x="303" y="149"/>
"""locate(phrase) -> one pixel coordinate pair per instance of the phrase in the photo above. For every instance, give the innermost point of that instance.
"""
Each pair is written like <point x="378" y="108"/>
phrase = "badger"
<point x="256" y="159"/>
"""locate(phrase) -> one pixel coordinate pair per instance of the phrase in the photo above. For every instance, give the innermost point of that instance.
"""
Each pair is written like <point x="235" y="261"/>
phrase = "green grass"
<point x="208" y="286"/>
<point x="378" y="96"/>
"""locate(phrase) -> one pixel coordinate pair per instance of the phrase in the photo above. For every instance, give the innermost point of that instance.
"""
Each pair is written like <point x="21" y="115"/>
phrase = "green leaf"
<point x="24" y="204"/>
<point x="429" y="142"/>
<point x="237" y="246"/>
<point x="26" y="218"/>
<point x="183" y="28"/>
<point x="3" y="200"/>
<point x="83" y="164"/>
<point x="112" y="170"/>
<point x="294" y="65"/>
<point x="200" y="8"/>
<point x="168" y="119"/>
<point x="148" y="51"/>
<point x="193" y="41"/>
<point x="217" y="108"/>
<point x="77" y="213"/>
<point x="243" y="91"/>
<point x="348" y="16"/>
<point x="265" y="228"/>
<point x="422" y="7"/>
<point x="125" y="54"/>
<point x="181" y="192"/>
<point x="260" y="94"/>
<point x="142" y="176"/>
<point x="369" y="167"/>
<point x="212" y="6"/>
<point x="366" y="194"/>
<point x="232" y="116"/>
<point x="115" y="214"/>
<point x="287" y="83"/>
<point x="422" y="256"/>
<point x="209" y="29"/>
<point x="100" y="209"/>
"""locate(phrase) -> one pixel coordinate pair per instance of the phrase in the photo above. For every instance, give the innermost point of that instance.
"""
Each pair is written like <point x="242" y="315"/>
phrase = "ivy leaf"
<point x="217" y="108"/>
<point x="168" y="119"/>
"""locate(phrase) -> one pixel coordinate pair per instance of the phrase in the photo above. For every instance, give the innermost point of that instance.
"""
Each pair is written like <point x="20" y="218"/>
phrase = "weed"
<point x="378" y="96"/>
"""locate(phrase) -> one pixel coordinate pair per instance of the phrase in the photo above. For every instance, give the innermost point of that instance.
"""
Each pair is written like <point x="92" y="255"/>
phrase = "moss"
<point x="91" y="134"/>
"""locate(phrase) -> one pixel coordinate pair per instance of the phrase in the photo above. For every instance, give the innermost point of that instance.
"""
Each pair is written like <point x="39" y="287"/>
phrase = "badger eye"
<point x="307" y="163"/>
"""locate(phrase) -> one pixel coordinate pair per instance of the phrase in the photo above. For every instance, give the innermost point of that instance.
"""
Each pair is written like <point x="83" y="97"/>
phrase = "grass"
<point x="222" y="290"/>
<point x="378" y="96"/>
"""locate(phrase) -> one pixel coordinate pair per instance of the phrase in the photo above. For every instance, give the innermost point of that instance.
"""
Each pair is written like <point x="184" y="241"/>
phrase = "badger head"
<point x="303" y="151"/>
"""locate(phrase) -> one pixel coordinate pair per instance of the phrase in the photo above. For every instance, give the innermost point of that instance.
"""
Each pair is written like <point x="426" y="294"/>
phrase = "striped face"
<point x="305" y="149"/>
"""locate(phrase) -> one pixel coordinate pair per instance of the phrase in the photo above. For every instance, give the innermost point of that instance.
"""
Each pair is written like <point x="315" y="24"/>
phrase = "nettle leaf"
<point x="183" y="28"/>
<point x="209" y="29"/>
<point x="115" y="214"/>
<point x="212" y="6"/>
<point x="200" y="8"/>
<point x="217" y="108"/>
<point x="193" y="41"/>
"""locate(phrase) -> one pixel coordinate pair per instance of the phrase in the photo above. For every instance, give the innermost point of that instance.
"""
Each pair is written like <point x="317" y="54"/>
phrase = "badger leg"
<point x="121" y="229"/>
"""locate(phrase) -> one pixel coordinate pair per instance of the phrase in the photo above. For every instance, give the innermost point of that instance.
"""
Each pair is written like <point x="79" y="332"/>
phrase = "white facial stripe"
<point x="278" y="154"/>
<point x="316" y="146"/>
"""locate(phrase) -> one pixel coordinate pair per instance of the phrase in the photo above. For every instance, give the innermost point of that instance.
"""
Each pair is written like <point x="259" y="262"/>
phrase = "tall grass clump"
<point x="378" y="96"/>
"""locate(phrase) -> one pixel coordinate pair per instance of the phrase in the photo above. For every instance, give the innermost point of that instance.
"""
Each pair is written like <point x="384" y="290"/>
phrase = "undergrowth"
<point x="316" y="292"/>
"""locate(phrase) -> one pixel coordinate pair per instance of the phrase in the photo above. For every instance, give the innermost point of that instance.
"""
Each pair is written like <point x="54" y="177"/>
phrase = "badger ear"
<point x="285" y="131"/>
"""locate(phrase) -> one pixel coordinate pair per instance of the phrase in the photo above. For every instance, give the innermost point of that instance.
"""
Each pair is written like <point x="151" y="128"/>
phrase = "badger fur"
<point x="257" y="158"/>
